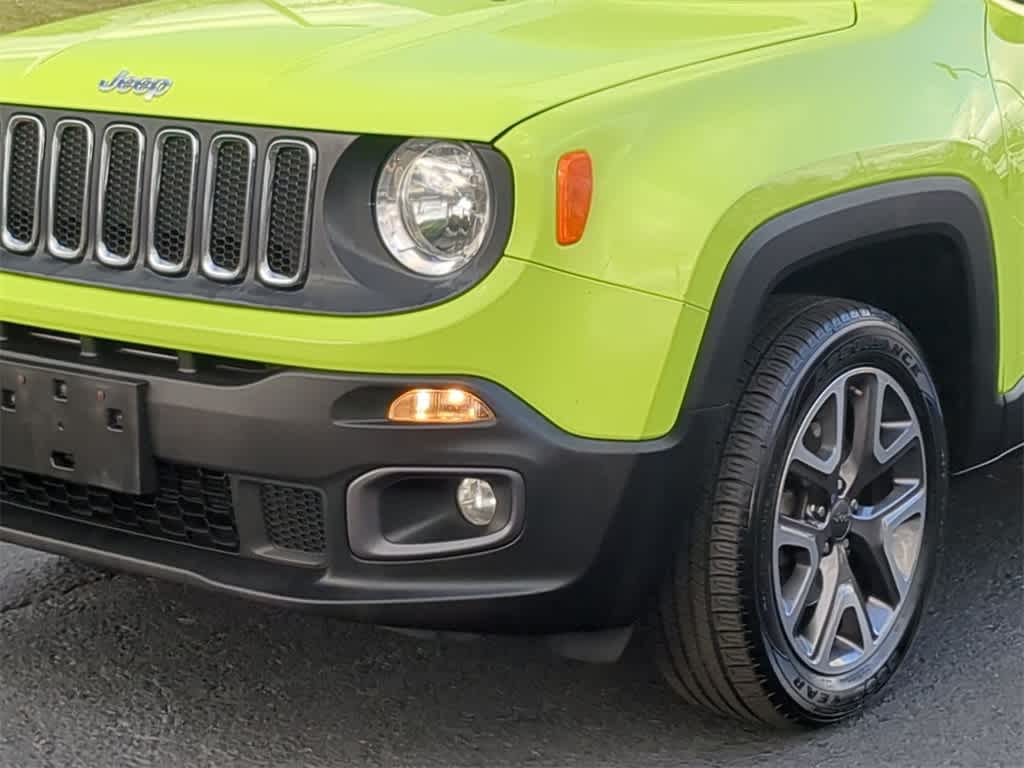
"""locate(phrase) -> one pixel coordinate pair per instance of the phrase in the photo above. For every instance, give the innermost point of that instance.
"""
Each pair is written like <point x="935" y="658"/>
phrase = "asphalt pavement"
<point x="101" y="670"/>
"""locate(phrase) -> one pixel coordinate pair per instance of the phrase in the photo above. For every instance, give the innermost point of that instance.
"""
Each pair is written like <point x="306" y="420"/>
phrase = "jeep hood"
<point x="454" y="68"/>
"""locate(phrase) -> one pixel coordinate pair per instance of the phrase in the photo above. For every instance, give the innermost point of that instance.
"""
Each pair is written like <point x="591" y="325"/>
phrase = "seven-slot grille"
<point x="140" y="199"/>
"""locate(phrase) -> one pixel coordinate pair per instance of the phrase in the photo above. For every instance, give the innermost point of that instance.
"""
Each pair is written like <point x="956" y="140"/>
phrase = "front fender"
<point x="688" y="164"/>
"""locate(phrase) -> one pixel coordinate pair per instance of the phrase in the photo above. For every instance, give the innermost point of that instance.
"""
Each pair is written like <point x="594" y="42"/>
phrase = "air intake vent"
<point x="22" y="183"/>
<point x="192" y="505"/>
<point x="175" y="161"/>
<point x="228" y="207"/>
<point x="71" y="164"/>
<point x="287" y="204"/>
<point x="294" y="518"/>
<point x="124" y="149"/>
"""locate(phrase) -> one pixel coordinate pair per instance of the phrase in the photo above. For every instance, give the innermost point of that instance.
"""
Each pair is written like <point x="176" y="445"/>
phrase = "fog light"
<point x="477" y="501"/>
<point x="439" y="406"/>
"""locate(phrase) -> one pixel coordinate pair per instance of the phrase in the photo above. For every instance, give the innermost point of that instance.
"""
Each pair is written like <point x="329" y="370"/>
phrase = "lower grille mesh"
<point x="192" y="505"/>
<point x="294" y="518"/>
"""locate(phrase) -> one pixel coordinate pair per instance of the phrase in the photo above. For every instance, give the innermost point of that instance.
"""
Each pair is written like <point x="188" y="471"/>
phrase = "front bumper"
<point x="597" y="518"/>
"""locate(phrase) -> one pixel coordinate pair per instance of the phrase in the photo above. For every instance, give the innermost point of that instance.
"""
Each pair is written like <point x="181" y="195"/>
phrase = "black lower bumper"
<point x="595" y="526"/>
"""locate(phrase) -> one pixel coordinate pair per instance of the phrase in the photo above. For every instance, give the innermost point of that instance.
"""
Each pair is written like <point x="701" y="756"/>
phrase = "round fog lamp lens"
<point x="477" y="501"/>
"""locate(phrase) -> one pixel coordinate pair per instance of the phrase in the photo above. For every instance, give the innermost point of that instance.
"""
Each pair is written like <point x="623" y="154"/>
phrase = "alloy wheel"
<point x="849" y="521"/>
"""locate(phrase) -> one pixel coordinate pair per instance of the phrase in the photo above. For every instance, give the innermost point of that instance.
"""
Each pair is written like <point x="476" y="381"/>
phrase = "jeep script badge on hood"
<point x="148" y="87"/>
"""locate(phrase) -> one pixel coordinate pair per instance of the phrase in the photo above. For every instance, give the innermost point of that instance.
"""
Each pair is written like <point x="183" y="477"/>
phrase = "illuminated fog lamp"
<point x="439" y="406"/>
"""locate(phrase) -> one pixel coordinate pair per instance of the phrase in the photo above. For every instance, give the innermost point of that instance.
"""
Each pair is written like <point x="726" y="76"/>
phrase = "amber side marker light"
<point x="439" y="406"/>
<point x="575" y="194"/>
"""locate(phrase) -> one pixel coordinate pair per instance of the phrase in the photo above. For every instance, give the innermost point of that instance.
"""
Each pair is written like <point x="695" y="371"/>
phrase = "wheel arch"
<point x="826" y="232"/>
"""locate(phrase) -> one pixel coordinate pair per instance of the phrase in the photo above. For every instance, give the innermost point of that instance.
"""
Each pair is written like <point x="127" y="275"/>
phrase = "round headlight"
<point x="434" y="206"/>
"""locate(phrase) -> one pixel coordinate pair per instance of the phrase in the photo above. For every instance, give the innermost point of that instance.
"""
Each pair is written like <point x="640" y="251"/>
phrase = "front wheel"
<point x="803" y="575"/>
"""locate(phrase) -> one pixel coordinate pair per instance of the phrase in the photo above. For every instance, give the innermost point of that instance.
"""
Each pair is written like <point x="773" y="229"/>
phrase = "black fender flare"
<point x="947" y="206"/>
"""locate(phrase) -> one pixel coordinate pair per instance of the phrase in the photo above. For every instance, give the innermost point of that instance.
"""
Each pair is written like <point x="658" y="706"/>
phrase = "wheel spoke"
<point x="896" y="437"/>
<point x="872" y="469"/>
<point x="795" y="534"/>
<point x="859" y="466"/>
<point x="858" y="606"/>
<point x="822" y="625"/>
<point x="888" y="540"/>
<point x="879" y="441"/>
<point x="846" y="635"/>
<point x="902" y="529"/>
<point x="819" y="449"/>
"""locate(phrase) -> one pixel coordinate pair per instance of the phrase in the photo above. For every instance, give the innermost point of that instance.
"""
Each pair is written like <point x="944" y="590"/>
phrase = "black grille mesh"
<point x="294" y="518"/>
<point x="23" y="184"/>
<point x="231" y="185"/>
<point x="289" y="191"/>
<point x="121" y="194"/>
<point x="174" y="199"/>
<point x="192" y="505"/>
<point x="70" y="187"/>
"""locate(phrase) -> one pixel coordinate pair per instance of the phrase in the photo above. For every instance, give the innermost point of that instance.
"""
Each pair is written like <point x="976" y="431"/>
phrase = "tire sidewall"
<point x="867" y="341"/>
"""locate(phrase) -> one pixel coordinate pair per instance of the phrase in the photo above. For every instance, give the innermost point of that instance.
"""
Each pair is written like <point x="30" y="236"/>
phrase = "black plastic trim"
<point x="349" y="269"/>
<point x="947" y="206"/>
<point x="1014" y="416"/>
<point x="600" y="518"/>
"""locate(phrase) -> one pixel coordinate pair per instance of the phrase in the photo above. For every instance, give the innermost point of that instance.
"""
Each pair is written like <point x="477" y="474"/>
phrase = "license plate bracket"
<point x="76" y="427"/>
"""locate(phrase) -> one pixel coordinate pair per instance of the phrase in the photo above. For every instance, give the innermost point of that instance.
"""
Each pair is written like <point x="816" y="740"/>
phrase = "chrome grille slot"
<point x="228" y="207"/>
<point x="120" y="196"/>
<point x="22" y="183"/>
<point x="70" y="171"/>
<point x="172" y="201"/>
<point x="287" y="207"/>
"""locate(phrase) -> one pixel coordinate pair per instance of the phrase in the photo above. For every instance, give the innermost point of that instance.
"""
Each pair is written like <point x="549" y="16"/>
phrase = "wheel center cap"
<point x="840" y="520"/>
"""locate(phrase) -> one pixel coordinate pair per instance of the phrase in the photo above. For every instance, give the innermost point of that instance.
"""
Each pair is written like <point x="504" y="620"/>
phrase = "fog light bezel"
<point x="367" y="529"/>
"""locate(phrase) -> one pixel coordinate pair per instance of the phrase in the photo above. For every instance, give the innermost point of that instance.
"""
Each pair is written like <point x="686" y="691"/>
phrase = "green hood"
<point x="454" y="68"/>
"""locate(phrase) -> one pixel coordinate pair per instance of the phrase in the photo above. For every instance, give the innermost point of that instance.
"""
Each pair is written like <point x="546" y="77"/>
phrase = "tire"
<point x="743" y="623"/>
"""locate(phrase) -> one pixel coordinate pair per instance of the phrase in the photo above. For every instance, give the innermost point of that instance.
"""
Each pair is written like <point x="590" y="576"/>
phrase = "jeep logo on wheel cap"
<point x="842" y="517"/>
<point x="148" y="87"/>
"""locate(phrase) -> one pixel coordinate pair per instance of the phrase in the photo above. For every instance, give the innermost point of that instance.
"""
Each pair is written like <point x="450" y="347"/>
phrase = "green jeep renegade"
<point x="558" y="317"/>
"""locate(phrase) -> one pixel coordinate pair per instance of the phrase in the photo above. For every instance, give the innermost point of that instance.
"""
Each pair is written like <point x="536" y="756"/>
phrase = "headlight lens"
<point x="434" y="206"/>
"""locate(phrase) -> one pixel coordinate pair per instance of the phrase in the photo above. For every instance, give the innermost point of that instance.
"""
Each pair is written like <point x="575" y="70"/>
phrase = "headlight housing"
<point x="434" y="206"/>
